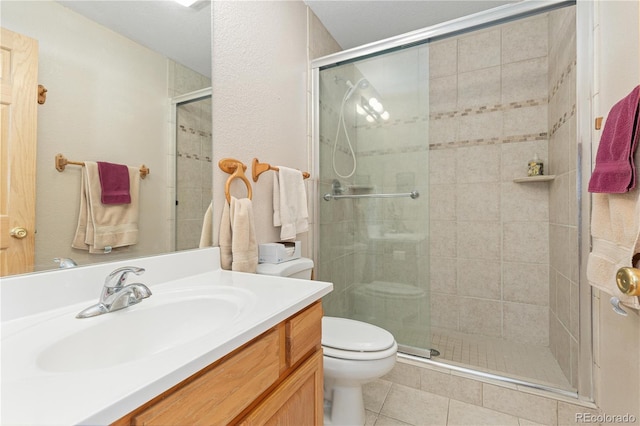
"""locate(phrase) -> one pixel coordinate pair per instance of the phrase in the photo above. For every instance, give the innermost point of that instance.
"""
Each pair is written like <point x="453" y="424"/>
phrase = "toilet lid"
<point x="356" y="336"/>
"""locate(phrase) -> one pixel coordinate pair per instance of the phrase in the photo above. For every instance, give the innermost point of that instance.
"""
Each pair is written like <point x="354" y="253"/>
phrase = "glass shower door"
<point x="374" y="180"/>
<point x="193" y="169"/>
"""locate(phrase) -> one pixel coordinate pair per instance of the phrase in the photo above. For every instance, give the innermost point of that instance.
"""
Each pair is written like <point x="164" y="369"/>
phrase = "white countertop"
<point x="33" y="395"/>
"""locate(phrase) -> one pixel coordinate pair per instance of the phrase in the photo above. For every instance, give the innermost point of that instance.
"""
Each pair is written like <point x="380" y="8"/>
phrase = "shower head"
<point x="363" y="83"/>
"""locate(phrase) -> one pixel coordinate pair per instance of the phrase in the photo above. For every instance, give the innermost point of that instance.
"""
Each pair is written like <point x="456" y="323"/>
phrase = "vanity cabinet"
<point x="275" y="379"/>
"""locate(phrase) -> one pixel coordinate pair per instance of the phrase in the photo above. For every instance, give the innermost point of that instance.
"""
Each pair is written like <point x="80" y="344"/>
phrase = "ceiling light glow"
<point x="186" y="3"/>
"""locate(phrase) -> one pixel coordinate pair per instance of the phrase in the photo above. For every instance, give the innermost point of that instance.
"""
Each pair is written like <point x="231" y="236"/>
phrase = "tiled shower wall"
<point x="190" y="159"/>
<point x="563" y="216"/>
<point x="489" y="235"/>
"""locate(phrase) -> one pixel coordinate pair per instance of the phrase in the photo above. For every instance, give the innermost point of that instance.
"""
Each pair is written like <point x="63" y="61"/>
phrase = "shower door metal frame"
<point x="584" y="78"/>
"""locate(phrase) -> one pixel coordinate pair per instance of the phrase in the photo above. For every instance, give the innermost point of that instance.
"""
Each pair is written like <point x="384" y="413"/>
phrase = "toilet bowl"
<point x="355" y="353"/>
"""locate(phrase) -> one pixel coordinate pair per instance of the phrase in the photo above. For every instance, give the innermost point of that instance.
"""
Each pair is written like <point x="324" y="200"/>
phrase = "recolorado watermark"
<point x="605" y="418"/>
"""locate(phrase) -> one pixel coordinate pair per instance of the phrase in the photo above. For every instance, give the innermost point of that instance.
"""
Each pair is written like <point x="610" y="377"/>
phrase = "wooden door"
<point x="298" y="401"/>
<point x="18" y="134"/>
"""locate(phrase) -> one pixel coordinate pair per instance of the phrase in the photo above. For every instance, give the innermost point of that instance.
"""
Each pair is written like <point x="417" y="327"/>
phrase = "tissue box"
<point x="278" y="252"/>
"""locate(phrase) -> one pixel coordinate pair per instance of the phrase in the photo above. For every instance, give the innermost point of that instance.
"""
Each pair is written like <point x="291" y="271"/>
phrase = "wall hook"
<point x="42" y="94"/>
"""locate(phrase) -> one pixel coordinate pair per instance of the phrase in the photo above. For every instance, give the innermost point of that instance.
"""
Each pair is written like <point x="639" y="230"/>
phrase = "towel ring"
<point x="236" y="168"/>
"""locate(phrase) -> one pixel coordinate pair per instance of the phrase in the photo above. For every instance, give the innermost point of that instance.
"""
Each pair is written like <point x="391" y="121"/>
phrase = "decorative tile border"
<point x="192" y="131"/>
<point x="490" y="141"/>
<point x="488" y="109"/>
<point x="191" y="156"/>
<point x="565" y="74"/>
<point x="566" y="77"/>
<point x="558" y="124"/>
<point x="197" y="157"/>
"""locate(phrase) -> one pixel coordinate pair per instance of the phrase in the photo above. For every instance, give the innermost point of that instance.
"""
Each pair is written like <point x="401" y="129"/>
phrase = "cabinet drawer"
<point x="303" y="333"/>
<point x="220" y="394"/>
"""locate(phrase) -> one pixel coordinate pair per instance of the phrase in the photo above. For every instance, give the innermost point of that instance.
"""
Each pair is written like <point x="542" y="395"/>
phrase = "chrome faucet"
<point x="115" y="295"/>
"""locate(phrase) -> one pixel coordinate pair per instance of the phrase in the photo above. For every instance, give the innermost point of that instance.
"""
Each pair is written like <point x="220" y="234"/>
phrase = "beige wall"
<point x="616" y="339"/>
<point x="261" y="90"/>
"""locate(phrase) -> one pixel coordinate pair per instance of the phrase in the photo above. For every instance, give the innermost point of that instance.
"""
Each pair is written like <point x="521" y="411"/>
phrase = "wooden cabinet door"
<point x="298" y="401"/>
<point x="18" y="134"/>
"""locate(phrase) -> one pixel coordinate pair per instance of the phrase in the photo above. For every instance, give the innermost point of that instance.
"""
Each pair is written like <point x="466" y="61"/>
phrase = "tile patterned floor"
<point x="390" y="404"/>
<point x="421" y="396"/>
<point x="529" y="362"/>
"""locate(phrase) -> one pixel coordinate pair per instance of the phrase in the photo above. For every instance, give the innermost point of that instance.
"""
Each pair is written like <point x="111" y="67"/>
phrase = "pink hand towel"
<point x="615" y="169"/>
<point x="114" y="181"/>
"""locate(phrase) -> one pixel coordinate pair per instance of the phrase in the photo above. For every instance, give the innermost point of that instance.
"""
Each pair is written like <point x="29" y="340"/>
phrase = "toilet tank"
<point x="298" y="268"/>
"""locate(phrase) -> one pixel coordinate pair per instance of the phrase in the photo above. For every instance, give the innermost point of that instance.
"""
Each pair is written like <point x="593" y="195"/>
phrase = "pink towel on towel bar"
<point x="114" y="182"/>
<point x="615" y="171"/>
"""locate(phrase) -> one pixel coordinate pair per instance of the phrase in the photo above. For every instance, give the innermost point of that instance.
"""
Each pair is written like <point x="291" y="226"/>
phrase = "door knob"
<point x="628" y="281"/>
<point x="18" y="233"/>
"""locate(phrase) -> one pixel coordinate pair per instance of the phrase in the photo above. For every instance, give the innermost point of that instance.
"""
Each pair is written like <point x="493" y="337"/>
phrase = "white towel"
<point x="615" y="231"/>
<point x="290" y="203"/>
<point x="103" y="227"/>
<point x="224" y="238"/>
<point x="237" y="238"/>
<point x="206" y="237"/>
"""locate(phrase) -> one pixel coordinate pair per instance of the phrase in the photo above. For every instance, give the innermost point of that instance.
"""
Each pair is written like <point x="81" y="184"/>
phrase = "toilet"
<point x="355" y="353"/>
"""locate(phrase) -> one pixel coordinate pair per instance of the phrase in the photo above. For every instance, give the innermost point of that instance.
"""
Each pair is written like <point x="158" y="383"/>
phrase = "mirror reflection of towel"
<point x="114" y="183"/>
<point x="104" y="227"/>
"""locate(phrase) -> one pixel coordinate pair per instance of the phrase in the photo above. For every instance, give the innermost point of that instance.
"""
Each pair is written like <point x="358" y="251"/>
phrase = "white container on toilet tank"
<point x="279" y="252"/>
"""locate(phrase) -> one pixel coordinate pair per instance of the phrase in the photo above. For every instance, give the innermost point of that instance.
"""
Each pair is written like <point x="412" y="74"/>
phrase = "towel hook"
<point x="236" y="168"/>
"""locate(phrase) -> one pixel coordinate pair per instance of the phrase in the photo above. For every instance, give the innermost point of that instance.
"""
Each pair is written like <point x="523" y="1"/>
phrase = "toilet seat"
<point x="356" y="340"/>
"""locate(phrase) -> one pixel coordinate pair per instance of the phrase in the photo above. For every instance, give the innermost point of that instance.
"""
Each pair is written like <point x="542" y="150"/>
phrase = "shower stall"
<point x="192" y="193"/>
<point x="428" y="224"/>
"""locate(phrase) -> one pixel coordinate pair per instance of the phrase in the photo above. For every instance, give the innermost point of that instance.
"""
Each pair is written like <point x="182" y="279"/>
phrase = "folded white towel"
<point x="290" y="203"/>
<point x="237" y="238"/>
<point x="103" y="227"/>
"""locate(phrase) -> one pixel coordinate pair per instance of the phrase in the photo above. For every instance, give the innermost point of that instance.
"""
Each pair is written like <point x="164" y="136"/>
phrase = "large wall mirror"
<point x="116" y="100"/>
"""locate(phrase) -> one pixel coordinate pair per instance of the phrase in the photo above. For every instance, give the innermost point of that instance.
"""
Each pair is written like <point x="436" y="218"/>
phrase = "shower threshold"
<point x="418" y="352"/>
<point x="425" y="356"/>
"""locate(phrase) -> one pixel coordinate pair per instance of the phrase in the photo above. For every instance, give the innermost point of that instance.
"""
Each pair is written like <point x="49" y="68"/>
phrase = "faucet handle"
<point x="119" y="276"/>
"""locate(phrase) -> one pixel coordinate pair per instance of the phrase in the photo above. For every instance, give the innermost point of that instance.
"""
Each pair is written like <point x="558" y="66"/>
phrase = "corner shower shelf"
<point x="528" y="179"/>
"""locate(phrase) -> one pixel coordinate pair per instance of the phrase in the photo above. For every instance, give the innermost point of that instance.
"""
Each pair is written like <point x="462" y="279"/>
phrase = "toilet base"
<point x="346" y="407"/>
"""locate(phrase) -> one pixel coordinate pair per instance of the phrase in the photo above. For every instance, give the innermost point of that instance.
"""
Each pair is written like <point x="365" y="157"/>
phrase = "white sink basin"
<point x="163" y="321"/>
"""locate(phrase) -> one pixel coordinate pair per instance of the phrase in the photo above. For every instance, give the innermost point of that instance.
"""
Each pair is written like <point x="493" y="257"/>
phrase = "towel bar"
<point x="236" y="168"/>
<point x="61" y="163"/>
<point x="412" y="194"/>
<point x="257" y="168"/>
